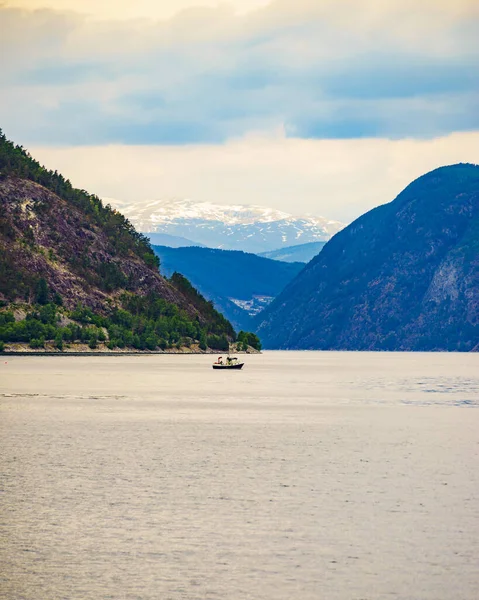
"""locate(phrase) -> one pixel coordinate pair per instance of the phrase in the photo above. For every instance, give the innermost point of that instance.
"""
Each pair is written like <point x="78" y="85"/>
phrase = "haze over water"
<point x="343" y="476"/>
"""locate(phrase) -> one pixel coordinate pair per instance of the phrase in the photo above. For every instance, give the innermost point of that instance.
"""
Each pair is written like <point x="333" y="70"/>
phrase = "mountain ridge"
<point x="172" y="241"/>
<point x="300" y="253"/>
<point x="251" y="228"/>
<point x="404" y="276"/>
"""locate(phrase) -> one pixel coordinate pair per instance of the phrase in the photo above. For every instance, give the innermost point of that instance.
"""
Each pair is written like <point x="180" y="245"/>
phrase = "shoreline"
<point x="113" y="353"/>
<point x="84" y="350"/>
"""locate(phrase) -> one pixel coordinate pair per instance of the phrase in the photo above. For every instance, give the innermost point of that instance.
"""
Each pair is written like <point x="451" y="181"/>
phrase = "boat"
<point x="231" y="362"/>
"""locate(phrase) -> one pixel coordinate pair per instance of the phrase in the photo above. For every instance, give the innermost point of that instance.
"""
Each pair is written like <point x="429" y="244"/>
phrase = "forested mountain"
<point x="404" y="276"/>
<point x="73" y="270"/>
<point x="238" y="283"/>
<point x="300" y="253"/>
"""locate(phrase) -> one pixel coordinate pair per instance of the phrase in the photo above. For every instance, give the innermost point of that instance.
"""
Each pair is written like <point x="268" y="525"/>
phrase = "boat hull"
<point x="235" y="367"/>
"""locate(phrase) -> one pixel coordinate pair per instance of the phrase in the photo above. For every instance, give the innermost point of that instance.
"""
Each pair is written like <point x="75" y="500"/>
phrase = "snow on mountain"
<point x="250" y="228"/>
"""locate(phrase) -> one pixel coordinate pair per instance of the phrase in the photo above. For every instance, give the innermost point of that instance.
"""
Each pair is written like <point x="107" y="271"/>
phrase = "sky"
<point x="322" y="107"/>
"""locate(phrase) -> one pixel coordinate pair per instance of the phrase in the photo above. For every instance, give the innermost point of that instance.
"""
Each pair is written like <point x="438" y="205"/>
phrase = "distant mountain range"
<point x="404" y="276"/>
<point x="238" y="283"/>
<point x="173" y="241"/>
<point x="300" y="253"/>
<point x="238" y="227"/>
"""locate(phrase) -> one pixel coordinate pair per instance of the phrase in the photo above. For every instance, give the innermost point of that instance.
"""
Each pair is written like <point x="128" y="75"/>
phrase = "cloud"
<point x="339" y="179"/>
<point x="320" y="69"/>
<point x="135" y="9"/>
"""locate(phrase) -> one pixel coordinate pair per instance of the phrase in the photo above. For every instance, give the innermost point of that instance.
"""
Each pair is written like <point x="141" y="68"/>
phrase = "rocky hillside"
<point x="62" y="248"/>
<point x="404" y="276"/>
<point x="84" y="261"/>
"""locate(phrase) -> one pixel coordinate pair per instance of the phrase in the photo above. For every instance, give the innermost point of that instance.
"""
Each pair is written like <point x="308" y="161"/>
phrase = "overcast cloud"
<point x="339" y="179"/>
<point x="191" y="86"/>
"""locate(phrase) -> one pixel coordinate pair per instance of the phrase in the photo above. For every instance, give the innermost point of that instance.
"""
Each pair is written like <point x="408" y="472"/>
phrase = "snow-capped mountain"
<point x="250" y="228"/>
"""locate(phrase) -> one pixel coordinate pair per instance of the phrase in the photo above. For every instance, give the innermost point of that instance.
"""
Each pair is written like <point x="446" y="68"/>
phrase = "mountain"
<point x="74" y="271"/>
<point x="300" y="253"/>
<point x="404" y="276"/>
<point x="173" y="241"/>
<point x="238" y="227"/>
<point x="239" y="284"/>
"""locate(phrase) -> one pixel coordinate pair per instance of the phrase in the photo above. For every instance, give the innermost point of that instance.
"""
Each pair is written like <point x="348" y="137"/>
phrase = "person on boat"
<point x="220" y="360"/>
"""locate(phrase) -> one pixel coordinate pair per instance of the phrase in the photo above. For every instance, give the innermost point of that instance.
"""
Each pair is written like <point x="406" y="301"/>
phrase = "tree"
<point x="47" y="314"/>
<point x="59" y="341"/>
<point x="57" y="299"/>
<point x="246" y="338"/>
<point x="151" y="342"/>
<point x="218" y="342"/>
<point x="254" y="341"/>
<point x="41" y="295"/>
<point x="37" y="343"/>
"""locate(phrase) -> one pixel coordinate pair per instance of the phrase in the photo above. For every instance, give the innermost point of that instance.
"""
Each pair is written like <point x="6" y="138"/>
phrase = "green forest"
<point x="142" y="323"/>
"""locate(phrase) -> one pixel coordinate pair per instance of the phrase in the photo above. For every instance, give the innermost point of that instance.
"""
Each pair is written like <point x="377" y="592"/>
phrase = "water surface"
<point x="306" y="475"/>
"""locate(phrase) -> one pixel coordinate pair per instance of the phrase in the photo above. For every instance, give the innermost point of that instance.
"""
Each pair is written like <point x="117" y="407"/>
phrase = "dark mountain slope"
<point x="300" y="253"/>
<point x="224" y="274"/>
<point x="172" y="241"/>
<point x="61" y="248"/>
<point x="404" y="276"/>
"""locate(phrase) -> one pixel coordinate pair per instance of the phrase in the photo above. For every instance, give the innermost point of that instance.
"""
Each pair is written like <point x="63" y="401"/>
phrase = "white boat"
<point x="230" y="362"/>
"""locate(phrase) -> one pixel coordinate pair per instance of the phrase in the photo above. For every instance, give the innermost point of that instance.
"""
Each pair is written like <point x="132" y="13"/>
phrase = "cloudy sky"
<point x="327" y="107"/>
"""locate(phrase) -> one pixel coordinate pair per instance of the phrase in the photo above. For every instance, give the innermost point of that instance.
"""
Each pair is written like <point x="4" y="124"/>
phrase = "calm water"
<point x="306" y="476"/>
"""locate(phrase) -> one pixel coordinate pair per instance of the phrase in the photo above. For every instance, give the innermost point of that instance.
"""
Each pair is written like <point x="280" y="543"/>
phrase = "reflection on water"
<point x="306" y="475"/>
